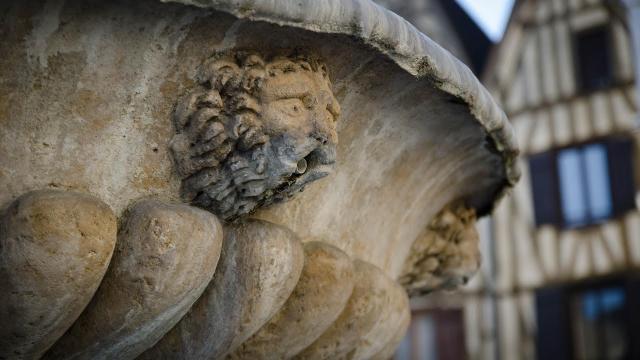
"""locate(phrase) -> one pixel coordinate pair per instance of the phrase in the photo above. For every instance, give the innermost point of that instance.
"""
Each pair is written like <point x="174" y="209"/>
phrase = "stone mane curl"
<point x="232" y="160"/>
<point x="446" y="255"/>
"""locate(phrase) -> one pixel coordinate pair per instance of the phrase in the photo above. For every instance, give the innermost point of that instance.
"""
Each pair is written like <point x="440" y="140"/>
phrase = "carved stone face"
<point x="254" y="132"/>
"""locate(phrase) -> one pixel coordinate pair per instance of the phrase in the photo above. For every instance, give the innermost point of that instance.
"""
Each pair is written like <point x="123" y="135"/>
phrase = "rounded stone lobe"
<point x="55" y="247"/>
<point x="259" y="267"/>
<point x="390" y="326"/>
<point x="402" y="325"/>
<point x="165" y="256"/>
<point x="321" y="294"/>
<point x="358" y="317"/>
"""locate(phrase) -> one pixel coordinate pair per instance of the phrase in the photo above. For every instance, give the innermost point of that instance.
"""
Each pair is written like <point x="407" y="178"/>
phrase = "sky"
<point x="491" y="15"/>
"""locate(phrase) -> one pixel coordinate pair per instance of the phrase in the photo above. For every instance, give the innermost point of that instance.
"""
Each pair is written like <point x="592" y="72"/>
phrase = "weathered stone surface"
<point x="259" y="267"/>
<point x="55" y="247"/>
<point x="255" y="130"/>
<point x="446" y="255"/>
<point x="88" y="92"/>
<point x="165" y="256"/>
<point x="391" y="322"/>
<point x="357" y="319"/>
<point x="403" y="321"/>
<point x="321" y="294"/>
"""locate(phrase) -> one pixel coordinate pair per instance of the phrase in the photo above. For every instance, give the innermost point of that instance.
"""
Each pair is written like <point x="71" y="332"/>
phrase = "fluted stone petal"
<point x="259" y="267"/>
<point x="360" y="315"/>
<point x="55" y="247"/>
<point x="321" y="294"/>
<point x="165" y="257"/>
<point x="390" y="327"/>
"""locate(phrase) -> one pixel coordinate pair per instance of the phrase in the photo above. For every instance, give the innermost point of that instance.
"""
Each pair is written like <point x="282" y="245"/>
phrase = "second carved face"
<point x="254" y="131"/>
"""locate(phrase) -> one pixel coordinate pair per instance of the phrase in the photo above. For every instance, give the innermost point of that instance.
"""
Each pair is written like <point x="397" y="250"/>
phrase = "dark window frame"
<point x="581" y="87"/>
<point x="556" y="218"/>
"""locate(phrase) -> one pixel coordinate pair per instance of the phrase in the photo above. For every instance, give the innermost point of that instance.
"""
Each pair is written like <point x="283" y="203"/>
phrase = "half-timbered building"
<point x="559" y="280"/>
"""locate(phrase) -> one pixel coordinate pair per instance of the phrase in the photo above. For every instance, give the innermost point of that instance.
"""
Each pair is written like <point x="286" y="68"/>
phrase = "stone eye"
<point x="308" y="101"/>
<point x="292" y="106"/>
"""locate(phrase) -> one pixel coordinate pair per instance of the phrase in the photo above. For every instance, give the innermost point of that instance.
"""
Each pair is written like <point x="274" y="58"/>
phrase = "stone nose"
<point x="324" y="131"/>
<point x="321" y="137"/>
<point x="325" y="136"/>
<point x="333" y="107"/>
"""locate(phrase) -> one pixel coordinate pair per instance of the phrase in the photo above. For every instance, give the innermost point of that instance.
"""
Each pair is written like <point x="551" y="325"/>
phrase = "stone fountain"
<point x="248" y="179"/>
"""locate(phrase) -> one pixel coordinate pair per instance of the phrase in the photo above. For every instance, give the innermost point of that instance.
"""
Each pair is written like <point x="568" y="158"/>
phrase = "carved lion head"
<point x="254" y="131"/>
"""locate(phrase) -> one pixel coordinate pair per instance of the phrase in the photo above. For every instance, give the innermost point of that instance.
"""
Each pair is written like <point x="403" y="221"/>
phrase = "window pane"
<point x="572" y="188"/>
<point x="613" y="299"/>
<point x="404" y="350"/>
<point x="597" y="172"/>
<point x="426" y="347"/>
<point x="586" y="313"/>
<point x="599" y="321"/>
<point x="614" y="343"/>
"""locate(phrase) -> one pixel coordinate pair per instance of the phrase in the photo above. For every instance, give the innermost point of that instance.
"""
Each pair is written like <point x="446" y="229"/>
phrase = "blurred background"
<point x="559" y="278"/>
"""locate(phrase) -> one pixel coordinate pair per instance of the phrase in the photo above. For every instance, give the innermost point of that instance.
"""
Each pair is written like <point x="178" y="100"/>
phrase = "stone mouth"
<point x="320" y="160"/>
<point x="300" y="171"/>
<point x="317" y="164"/>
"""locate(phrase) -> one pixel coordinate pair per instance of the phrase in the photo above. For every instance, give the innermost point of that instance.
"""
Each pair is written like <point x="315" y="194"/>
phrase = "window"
<point x="595" y="319"/>
<point x="436" y="334"/>
<point x="599" y="324"/>
<point x="583" y="185"/>
<point x="593" y="56"/>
